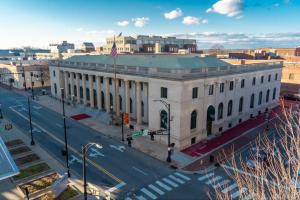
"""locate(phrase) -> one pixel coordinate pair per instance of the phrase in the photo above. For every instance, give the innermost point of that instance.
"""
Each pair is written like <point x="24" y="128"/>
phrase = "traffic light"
<point x="126" y="118"/>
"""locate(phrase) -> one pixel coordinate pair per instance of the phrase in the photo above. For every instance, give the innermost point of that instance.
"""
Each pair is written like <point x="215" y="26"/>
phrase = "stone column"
<point x="72" y="84"/>
<point x="99" y="95"/>
<point x="117" y="99"/>
<point x="84" y="89"/>
<point x="107" y="96"/>
<point x="138" y="103"/>
<point x="127" y="97"/>
<point x="78" y="87"/>
<point x="66" y="85"/>
<point x="91" y="90"/>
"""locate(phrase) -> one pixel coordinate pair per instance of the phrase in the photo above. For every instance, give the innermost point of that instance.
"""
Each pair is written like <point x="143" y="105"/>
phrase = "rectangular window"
<point x="253" y="80"/>
<point x="86" y="77"/>
<point x="120" y="83"/>
<point x="53" y="73"/>
<point x="129" y="84"/>
<point x="211" y="90"/>
<point x="276" y="77"/>
<point x="55" y="88"/>
<point x="231" y="84"/>
<point x="269" y="78"/>
<point x="291" y="76"/>
<point x="243" y="83"/>
<point x="142" y="86"/>
<point x="94" y="79"/>
<point x="195" y="93"/>
<point x="164" y="92"/>
<point x="262" y="79"/>
<point x="222" y="87"/>
<point x="110" y="81"/>
<point x="80" y="76"/>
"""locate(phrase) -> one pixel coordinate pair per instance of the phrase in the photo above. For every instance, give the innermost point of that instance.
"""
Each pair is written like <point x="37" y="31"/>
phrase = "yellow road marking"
<point x="97" y="166"/>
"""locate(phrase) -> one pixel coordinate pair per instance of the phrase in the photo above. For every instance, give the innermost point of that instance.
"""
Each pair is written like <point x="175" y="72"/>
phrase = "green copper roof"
<point x="160" y="61"/>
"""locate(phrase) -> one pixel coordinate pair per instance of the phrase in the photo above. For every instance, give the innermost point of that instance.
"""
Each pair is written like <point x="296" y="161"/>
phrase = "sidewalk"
<point x="229" y="141"/>
<point x="100" y="121"/>
<point x="8" y="189"/>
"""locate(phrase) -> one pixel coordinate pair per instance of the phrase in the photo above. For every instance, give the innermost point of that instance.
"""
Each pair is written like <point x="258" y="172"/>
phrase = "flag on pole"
<point x="114" y="52"/>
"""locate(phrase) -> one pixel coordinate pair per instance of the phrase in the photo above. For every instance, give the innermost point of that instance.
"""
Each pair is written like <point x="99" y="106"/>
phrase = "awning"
<point x="8" y="167"/>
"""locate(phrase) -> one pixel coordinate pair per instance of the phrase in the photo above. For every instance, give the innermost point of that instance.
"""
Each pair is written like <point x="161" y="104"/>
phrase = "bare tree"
<point x="276" y="163"/>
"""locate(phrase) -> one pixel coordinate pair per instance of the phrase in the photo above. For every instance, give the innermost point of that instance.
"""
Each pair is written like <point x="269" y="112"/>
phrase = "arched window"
<point x="229" y="111"/>
<point x="111" y="100"/>
<point x="163" y="119"/>
<point x="194" y="119"/>
<point x="241" y="104"/>
<point x="267" y="96"/>
<point x="120" y="102"/>
<point x="252" y="101"/>
<point x="130" y="106"/>
<point x="260" y="98"/>
<point x="143" y="111"/>
<point x="274" y="93"/>
<point x="220" y="111"/>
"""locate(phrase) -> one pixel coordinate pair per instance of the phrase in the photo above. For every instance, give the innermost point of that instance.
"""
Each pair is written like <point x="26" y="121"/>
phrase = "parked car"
<point x="292" y="97"/>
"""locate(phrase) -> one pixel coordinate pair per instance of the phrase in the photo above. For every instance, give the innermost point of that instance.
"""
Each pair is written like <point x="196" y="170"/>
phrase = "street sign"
<point x="140" y="133"/>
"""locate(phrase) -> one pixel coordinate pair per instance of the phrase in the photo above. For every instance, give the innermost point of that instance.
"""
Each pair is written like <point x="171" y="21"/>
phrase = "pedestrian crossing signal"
<point x="126" y="118"/>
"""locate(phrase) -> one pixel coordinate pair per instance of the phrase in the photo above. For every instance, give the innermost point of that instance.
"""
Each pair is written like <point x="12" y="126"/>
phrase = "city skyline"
<point x="231" y="23"/>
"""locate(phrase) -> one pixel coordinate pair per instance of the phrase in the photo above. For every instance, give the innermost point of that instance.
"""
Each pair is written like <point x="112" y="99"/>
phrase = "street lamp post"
<point x="85" y="148"/>
<point x="30" y="122"/>
<point x="65" y="131"/>
<point x="122" y="123"/>
<point x="24" y="78"/>
<point x="32" y="83"/>
<point x="167" y="105"/>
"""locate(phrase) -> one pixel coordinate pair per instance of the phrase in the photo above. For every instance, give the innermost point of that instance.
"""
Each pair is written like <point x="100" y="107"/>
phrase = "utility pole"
<point x="32" y="84"/>
<point x="30" y="122"/>
<point x="169" y="133"/>
<point x="65" y="131"/>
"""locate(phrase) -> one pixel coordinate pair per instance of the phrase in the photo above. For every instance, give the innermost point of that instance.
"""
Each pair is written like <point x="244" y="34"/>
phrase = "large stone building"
<point x="206" y="95"/>
<point x="16" y="73"/>
<point x="149" y="44"/>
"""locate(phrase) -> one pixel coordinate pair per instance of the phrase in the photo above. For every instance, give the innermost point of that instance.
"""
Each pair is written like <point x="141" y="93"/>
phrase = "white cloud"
<point x="123" y="23"/>
<point x="140" y="21"/>
<point x="229" y="8"/>
<point x="173" y="14"/>
<point x="189" y="20"/>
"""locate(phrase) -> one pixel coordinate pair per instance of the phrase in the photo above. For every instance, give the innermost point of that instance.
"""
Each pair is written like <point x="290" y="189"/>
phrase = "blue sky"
<point x="231" y="23"/>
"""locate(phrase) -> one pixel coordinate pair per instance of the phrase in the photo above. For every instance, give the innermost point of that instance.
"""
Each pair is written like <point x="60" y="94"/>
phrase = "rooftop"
<point x="153" y="61"/>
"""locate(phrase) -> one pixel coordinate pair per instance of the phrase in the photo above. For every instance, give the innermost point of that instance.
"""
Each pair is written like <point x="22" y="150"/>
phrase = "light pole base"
<point x="32" y="143"/>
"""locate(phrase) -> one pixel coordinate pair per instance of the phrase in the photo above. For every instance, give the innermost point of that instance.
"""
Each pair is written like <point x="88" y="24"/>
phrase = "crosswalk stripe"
<point x="250" y="196"/>
<point x="237" y="193"/>
<point x="170" y="182"/>
<point x="229" y="188"/>
<point x="141" y="198"/>
<point x="148" y="193"/>
<point x="224" y="182"/>
<point x="182" y="176"/>
<point x="176" y="179"/>
<point x="213" y="180"/>
<point x="156" y="189"/>
<point x="163" y="186"/>
<point x="205" y="176"/>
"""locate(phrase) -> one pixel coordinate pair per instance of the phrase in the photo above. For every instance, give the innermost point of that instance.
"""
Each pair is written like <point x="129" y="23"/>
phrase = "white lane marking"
<point x="170" y="182"/>
<point x="59" y="125"/>
<point x="221" y="184"/>
<point x="237" y="193"/>
<point x="205" y="176"/>
<point x="250" y="196"/>
<point x="37" y="107"/>
<point x="182" y="176"/>
<point x="120" y="148"/>
<point x="74" y="159"/>
<point x="139" y="170"/>
<point x="35" y="130"/>
<point x="229" y="188"/>
<point x="36" y="113"/>
<point x="112" y="189"/>
<point x="176" y="179"/>
<point x="17" y="106"/>
<point x="163" y="186"/>
<point x="95" y="153"/>
<point x="148" y="193"/>
<point x="141" y="198"/>
<point x="213" y="180"/>
<point x="156" y="189"/>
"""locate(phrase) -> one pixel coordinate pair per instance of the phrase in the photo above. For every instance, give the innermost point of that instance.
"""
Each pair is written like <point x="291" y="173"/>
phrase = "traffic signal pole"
<point x="122" y="115"/>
